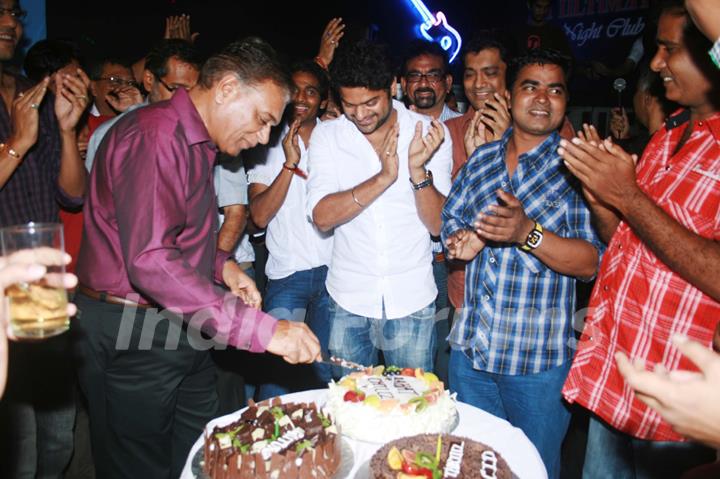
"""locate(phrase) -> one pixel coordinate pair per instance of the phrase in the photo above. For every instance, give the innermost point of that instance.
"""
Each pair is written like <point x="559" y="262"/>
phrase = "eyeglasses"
<point x="432" y="77"/>
<point x="118" y="82"/>
<point x="172" y="88"/>
<point x="15" y="12"/>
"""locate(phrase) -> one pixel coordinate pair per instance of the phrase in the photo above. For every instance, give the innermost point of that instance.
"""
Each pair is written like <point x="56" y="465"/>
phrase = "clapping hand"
<point x="123" y="98"/>
<point x="423" y="147"/>
<point x="464" y="245"/>
<point x="605" y="169"/>
<point x="496" y="117"/>
<point x="291" y="146"/>
<point x="26" y="118"/>
<point x="71" y="99"/>
<point x="388" y="154"/>
<point x="507" y="222"/>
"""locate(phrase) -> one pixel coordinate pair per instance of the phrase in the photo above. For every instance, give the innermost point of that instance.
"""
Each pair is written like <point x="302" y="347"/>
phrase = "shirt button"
<point x="486" y="298"/>
<point x="700" y="123"/>
<point x="606" y="288"/>
<point x="503" y="184"/>
<point x="492" y="260"/>
<point x="620" y="247"/>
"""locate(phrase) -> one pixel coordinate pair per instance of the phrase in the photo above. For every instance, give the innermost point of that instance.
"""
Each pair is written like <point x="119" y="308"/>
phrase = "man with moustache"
<point x="426" y="79"/>
<point x="521" y="221"/>
<point x="40" y="169"/>
<point x="149" y="245"/>
<point x="378" y="176"/>
<point x="661" y="272"/>
<point x="299" y="254"/>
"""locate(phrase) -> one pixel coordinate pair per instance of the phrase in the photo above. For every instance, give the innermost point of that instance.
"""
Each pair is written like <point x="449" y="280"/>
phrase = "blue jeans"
<point x="531" y="402"/>
<point x="299" y="297"/>
<point x="405" y="342"/>
<point x="611" y="453"/>
<point x="442" y="321"/>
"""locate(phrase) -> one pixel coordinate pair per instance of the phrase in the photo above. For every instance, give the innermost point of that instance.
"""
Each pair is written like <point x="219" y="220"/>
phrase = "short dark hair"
<point x="537" y="56"/>
<point x="362" y="64"/>
<point x="309" y="66"/>
<point x="48" y="56"/>
<point x="96" y="67"/>
<point x="484" y="39"/>
<point x="156" y="60"/>
<point x="424" y="47"/>
<point x="252" y="60"/>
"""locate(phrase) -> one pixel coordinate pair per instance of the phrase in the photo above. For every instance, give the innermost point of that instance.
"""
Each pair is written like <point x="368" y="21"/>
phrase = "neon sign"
<point x="435" y="28"/>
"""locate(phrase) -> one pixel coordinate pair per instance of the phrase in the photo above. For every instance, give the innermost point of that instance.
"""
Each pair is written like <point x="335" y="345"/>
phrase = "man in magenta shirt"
<point x="150" y="273"/>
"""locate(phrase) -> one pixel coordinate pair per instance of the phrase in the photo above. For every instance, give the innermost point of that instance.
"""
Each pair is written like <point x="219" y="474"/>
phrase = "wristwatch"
<point x="426" y="182"/>
<point x="534" y="239"/>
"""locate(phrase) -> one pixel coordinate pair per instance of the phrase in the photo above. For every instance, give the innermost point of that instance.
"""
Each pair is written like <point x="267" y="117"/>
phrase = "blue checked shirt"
<point x="517" y="315"/>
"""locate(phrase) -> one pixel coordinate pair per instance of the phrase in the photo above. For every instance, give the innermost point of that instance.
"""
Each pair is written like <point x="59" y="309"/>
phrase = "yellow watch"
<point x="534" y="239"/>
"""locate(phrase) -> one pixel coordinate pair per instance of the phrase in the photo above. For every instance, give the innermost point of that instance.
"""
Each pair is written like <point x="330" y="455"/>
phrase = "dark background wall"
<point x="128" y="27"/>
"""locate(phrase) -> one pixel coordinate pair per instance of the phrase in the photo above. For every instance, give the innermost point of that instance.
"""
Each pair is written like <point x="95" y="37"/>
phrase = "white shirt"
<point x="383" y="254"/>
<point x="231" y="189"/>
<point x="293" y="242"/>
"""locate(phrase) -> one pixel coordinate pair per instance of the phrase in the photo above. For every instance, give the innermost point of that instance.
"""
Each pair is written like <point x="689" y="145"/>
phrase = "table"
<point x="476" y="424"/>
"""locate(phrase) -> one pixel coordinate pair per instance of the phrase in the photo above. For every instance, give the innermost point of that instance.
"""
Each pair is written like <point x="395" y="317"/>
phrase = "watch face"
<point x="534" y="239"/>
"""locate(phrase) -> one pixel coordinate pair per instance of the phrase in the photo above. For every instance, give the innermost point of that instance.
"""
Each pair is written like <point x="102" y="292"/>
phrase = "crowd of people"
<point x="235" y="221"/>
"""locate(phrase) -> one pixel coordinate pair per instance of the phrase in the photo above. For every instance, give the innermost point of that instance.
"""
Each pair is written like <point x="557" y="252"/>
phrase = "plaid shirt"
<point x="518" y="312"/>
<point x="638" y="303"/>
<point x="32" y="192"/>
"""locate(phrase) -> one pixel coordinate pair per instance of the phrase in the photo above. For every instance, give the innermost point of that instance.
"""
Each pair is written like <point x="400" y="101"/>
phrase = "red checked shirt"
<point x="638" y="303"/>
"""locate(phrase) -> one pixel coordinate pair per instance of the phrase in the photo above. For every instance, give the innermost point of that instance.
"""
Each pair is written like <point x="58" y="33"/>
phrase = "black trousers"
<point x="150" y="389"/>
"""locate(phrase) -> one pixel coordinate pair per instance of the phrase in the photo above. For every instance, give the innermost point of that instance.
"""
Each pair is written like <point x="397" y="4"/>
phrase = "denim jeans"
<point x="611" y="453"/>
<point x="443" y="320"/>
<point x="531" y="402"/>
<point x="404" y="342"/>
<point x="38" y="411"/>
<point x="299" y="297"/>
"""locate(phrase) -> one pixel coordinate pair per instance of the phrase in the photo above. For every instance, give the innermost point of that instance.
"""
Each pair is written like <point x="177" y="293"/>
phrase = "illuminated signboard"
<point x="435" y="28"/>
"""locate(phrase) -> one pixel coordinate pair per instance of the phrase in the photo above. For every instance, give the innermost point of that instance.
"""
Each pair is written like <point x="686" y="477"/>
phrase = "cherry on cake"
<point x="438" y="456"/>
<point x="381" y="404"/>
<point x="274" y="441"/>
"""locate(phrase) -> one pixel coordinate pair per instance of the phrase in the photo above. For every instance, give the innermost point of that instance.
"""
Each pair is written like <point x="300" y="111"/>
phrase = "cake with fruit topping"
<point x="438" y="456"/>
<point x="381" y="404"/>
<point x="274" y="441"/>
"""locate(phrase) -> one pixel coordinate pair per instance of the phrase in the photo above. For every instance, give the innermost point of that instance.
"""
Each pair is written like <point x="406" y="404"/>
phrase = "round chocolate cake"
<point x="274" y="441"/>
<point x="438" y="456"/>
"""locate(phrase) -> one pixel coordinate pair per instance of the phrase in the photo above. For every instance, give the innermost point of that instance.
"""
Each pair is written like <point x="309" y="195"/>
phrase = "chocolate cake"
<point x="438" y="456"/>
<point x="278" y="441"/>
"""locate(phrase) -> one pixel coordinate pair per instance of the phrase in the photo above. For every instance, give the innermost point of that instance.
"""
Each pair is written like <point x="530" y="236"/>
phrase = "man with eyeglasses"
<point x="426" y="81"/>
<point x="170" y="65"/>
<point x="113" y="90"/>
<point x="40" y="169"/>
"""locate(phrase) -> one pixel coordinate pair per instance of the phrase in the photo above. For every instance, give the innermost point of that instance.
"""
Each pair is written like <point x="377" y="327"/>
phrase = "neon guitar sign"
<point x="435" y="28"/>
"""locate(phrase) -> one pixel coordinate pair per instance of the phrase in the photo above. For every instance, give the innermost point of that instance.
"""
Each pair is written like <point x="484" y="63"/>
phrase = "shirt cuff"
<point x="67" y="201"/>
<point x="252" y="330"/>
<point x="220" y="258"/>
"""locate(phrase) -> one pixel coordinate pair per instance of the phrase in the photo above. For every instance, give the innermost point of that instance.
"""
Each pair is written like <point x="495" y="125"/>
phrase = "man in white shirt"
<point x="299" y="253"/>
<point x="380" y="184"/>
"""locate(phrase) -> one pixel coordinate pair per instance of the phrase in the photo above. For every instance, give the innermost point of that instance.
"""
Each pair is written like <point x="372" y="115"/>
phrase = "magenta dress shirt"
<point x="151" y="223"/>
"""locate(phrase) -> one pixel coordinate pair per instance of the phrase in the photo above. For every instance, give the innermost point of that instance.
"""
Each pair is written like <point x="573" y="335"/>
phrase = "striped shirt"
<point x="32" y="193"/>
<point x="518" y="312"/>
<point x="638" y="303"/>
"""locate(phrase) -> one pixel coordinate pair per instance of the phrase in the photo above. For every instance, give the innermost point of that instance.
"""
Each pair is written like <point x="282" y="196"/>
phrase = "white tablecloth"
<point x="476" y="424"/>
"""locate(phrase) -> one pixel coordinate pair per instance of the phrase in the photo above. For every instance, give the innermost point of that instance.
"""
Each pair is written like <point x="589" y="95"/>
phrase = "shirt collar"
<point x="537" y="157"/>
<point x="681" y="117"/>
<point x="192" y="123"/>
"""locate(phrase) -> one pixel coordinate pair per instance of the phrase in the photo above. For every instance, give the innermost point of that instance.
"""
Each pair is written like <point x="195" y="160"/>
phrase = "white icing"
<point x="257" y="434"/>
<point x="488" y="469"/>
<point x="364" y="422"/>
<point x="453" y="464"/>
<point x="282" y="443"/>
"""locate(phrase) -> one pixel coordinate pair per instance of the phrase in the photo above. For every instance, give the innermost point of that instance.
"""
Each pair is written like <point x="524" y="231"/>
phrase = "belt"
<point x="110" y="299"/>
<point x="439" y="257"/>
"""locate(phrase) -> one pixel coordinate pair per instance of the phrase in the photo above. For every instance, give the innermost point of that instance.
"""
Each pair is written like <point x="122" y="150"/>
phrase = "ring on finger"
<point x="34" y="106"/>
